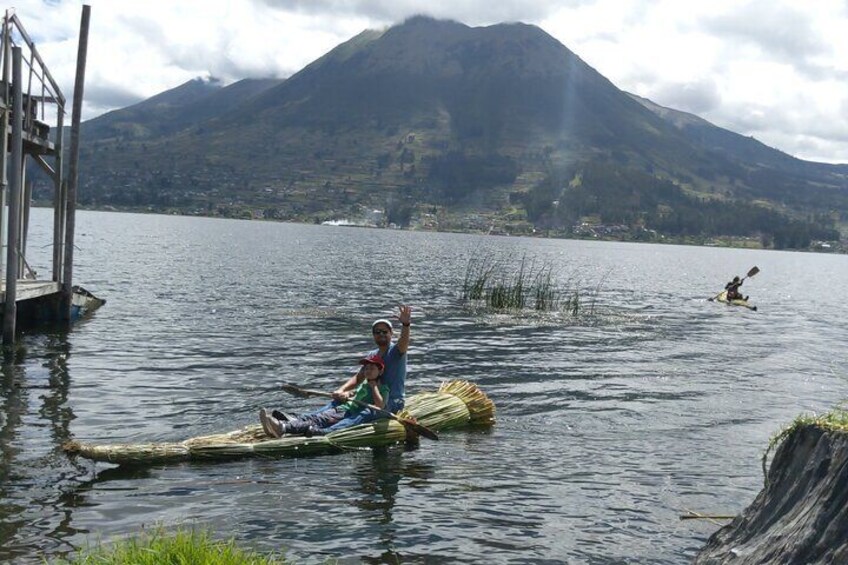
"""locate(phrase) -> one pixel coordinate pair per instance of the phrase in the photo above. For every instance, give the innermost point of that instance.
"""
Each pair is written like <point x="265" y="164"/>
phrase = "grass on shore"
<point x="835" y="421"/>
<point x="158" y="546"/>
<point x="501" y="286"/>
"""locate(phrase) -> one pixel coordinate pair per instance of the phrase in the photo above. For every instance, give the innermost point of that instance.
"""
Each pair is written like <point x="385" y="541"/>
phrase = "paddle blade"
<point x="419" y="429"/>
<point x="753" y="271"/>
<point x="295" y="390"/>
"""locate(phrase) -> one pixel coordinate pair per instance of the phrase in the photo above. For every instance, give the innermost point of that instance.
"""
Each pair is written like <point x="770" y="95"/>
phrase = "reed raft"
<point x="456" y="404"/>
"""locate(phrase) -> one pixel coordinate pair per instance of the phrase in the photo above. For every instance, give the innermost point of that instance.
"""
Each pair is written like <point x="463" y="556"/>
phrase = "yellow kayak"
<point x="735" y="302"/>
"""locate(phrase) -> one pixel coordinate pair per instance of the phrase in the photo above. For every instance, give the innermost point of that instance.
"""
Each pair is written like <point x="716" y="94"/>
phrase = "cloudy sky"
<point x="773" y="69"/>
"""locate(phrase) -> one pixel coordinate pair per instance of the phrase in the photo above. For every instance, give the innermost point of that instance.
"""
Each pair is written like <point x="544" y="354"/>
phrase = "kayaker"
<point x="371" y="390"/>
<point x="732" y="289"/>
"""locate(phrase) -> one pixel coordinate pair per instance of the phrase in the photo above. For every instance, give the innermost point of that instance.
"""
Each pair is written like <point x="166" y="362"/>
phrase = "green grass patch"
<point x="184" y="546"/>
<point x="834" y="421"/>
<point x="502" y="285"/>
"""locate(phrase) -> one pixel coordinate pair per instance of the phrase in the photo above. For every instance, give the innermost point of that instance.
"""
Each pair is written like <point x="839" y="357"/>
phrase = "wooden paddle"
<point x="754" y="270"/>
<point x="414" y="426"/>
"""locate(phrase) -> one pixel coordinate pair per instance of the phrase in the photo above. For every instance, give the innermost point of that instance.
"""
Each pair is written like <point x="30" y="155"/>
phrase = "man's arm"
<point x="343" y="392"/>
<point x="405" y="317"/>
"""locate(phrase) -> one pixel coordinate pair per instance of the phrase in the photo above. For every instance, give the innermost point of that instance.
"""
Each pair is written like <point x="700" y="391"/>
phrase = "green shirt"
<point x="363" y="393"/>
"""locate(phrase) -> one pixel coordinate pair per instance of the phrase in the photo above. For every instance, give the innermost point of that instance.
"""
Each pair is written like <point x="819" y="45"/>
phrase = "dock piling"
<point x="10" y="312"/>
<point x="73" y="173"/>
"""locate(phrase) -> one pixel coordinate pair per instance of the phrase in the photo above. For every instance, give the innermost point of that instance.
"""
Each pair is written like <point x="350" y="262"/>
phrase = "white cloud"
<point x="696" y="97"/>
<point x="761" y="68"/>
<point x="471" y="12"/>
<point x="768" y="68"/>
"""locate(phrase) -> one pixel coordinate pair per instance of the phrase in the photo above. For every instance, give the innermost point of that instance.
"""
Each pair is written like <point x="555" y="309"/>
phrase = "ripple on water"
<point x="610" y="425"/>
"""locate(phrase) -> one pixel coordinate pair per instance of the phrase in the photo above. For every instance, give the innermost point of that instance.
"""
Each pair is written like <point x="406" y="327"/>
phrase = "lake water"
<point x="609" y="425"/>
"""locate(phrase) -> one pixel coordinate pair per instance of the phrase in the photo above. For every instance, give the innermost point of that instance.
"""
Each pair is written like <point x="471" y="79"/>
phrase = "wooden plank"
<point x="28" y="289"/>
<point x="45" y="166"/>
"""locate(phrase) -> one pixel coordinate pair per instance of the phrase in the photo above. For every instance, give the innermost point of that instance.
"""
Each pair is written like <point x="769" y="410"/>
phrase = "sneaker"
<point x="282" y="416"/>
<point x="270" y="425"/>
<point x="263" y="419"/>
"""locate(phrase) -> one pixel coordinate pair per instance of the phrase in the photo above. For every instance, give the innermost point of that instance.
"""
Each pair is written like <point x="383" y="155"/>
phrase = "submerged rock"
<point x="801" y="515"/>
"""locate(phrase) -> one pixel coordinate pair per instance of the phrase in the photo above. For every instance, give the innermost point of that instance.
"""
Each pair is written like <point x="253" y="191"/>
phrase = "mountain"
<point x="767" y="172"/>
<point x="732" y="144"/>
<point x="435" y="119"/>
<point x="190" y="103"/>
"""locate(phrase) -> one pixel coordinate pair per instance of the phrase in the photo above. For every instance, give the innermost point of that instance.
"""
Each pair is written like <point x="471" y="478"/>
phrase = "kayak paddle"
<point x="754" y="270"/>
<point x="414" y="426"/>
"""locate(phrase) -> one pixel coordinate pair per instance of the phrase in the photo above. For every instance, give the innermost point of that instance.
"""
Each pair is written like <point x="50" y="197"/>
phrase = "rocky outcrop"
<point x="801" y="515"/>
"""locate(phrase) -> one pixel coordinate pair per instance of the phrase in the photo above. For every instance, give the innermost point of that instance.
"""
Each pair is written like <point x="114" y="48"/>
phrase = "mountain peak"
<point x="437" y="112"/>
<point x="422" y="20"/>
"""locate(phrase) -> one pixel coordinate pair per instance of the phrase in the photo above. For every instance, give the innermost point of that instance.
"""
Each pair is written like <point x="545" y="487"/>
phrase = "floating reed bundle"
<point x="455" y="404"/>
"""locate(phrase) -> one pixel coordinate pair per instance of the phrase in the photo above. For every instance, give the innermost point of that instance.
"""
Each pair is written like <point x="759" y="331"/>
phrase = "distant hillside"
<point x="434" y="122"/>
<point x="173" y="110"/>
<point x="763" y="171"/>
<point x="746" y="149"/>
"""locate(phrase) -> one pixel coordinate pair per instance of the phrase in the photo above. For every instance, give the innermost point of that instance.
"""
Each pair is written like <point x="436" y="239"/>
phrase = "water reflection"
<point x="13" y="402"/>
<point x="34" y="388"/>
<point x="55" y="409"/>
<point x="379" y="481"/>
<point x="604" y="422"/>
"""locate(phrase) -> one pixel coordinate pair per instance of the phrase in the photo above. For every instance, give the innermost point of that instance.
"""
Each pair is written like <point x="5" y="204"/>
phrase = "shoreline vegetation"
<point x="183" y="545"/>
<point x="473" y="226"/>
<point x="835" y="420"/>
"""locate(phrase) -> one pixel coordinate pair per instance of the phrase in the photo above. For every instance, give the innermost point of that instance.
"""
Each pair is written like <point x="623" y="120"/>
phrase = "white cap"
<point x="383" y="321"/>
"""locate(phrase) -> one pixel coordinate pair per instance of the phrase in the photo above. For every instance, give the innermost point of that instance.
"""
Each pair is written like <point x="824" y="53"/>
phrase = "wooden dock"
<point x="28" y="289"/>
<point x="38" y="301"/>
<point x="32" y="116"/>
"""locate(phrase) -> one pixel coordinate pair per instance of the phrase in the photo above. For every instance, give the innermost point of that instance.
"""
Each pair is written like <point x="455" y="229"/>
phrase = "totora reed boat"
<point x="456" y="404"/>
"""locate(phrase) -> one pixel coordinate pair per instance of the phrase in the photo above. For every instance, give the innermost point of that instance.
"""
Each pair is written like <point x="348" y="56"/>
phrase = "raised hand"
<point x="405" y="314"/>
<point x="405" y="317"/>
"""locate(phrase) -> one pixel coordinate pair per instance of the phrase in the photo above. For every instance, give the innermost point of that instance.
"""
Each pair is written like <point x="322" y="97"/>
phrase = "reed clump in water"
<point x="502" y="286"/>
